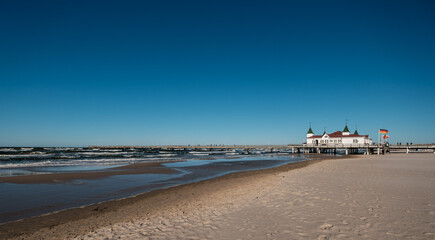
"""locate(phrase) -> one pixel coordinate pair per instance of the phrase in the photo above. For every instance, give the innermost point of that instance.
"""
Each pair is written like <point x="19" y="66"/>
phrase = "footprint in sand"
<point x="322" y="237"/>
<point x="326" y="226"/>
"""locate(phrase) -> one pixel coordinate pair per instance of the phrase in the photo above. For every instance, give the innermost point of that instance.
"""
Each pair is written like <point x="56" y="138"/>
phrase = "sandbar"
<point x="137" y="168"/>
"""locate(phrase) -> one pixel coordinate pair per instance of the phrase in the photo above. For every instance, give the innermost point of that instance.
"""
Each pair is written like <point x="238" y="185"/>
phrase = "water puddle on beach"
<point x="27" y="199"/>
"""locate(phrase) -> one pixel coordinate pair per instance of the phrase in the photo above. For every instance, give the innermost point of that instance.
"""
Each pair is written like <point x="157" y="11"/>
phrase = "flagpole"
<point x="379" y="137"/>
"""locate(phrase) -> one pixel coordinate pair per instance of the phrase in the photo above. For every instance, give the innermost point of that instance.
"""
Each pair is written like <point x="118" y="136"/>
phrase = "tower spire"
<point x="346" y="129"/>
<point x="356" y="130"/>
<point x="310" y="130"/>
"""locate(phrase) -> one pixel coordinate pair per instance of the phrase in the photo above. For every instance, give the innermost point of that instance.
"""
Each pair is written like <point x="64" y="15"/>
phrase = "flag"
<point x="386" y="136"/>
<point x="384" y="131"/>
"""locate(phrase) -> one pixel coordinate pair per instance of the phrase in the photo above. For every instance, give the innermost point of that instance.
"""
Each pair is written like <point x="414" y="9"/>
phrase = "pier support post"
<point x="318" y="150"/>
<point x="407" y="150"/>
<point x="347" y="151"/>
<point x="293" y="150"/>
<point x="379" y="151"/>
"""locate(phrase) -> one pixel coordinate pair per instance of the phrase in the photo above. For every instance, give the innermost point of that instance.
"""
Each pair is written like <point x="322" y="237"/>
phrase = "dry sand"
<point x="372" y="197"/>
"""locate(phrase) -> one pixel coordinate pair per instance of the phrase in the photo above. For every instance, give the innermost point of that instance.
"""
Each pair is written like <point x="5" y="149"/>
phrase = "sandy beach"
<point x="368" y="197"/>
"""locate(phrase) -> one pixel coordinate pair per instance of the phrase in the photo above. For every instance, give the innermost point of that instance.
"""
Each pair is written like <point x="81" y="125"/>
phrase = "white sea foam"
<point x="101" y="153"/>
<point x="26" y="149"/>
<point x="28" y="164"/>
<point x="34" y="155"/>
<point x="165" y="152"/>
<point x="8" y="150"/>
<point x="200" y="154"/>
<point x="167" y="155"/>
<point x="82" y="162"/>
<point x="60" y="149"/>
<point x="67" y="156"/>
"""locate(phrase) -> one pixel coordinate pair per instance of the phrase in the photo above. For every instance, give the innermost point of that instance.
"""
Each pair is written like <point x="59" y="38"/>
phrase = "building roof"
<point x="339" y="134"/>
<point x="316" y="136"/>
<point x="310" y="131"/>
<point x="356" y="132"/>
<point x="346" y="129"/>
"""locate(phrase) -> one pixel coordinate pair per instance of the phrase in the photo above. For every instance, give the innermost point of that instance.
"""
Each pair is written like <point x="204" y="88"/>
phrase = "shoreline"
<point x="131" y="169"/>
<point x="155" y="200"/>
<point x="152" y="167"/>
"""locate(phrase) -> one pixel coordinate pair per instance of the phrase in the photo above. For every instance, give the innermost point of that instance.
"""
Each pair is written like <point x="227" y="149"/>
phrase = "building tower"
<point x="346" y="130"/>
<point x="310" y="132"/>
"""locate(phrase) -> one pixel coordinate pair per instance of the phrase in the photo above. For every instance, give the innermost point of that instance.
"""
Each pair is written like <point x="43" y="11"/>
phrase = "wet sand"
<point x="84" y="219"/>
<point x="42" y="194"/>
<point x="138" y="168"/>
<point x="370" y="197"/>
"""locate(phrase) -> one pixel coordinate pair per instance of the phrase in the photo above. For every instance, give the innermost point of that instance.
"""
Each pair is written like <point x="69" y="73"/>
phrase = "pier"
<point x="293" y="149"/>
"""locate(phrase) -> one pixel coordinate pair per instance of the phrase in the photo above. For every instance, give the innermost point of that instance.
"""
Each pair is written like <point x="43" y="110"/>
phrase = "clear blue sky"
<point x="78" y="73"/>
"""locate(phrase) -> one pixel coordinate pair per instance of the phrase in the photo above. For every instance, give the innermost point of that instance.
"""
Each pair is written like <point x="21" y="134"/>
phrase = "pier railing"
<point x="340" y="145"/>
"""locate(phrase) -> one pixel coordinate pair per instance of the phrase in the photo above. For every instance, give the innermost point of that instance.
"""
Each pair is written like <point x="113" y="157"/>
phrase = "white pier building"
<point x="343" y="138"/>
